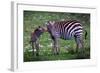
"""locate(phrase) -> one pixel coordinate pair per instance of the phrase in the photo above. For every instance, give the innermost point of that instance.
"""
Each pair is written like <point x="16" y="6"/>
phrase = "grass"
<point x="34" y="19"/>
<point x="48" y="56"/>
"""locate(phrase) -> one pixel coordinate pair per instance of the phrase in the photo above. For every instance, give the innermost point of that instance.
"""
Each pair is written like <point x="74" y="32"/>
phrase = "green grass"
<point x="48" y="56"/>
<point x="33" y="19"/>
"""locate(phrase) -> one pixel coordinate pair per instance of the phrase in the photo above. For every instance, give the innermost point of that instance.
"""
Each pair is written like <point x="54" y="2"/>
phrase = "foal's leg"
<point x="33" y="47"/>
<point x="37" y="47"/>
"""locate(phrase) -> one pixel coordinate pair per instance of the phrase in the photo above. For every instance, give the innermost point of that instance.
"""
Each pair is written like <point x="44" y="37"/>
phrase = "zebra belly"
<point x="66" y="37"/>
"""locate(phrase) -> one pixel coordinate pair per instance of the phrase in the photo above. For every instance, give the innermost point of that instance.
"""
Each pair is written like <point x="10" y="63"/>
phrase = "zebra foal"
<point x="35" y="39"/>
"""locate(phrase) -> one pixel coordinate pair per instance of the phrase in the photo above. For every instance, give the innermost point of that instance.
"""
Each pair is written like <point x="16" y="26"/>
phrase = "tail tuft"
<point x="85" y="34"/>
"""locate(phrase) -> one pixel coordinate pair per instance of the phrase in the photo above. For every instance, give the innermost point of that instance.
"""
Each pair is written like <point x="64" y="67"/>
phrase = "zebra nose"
<point x="45" y="29"/>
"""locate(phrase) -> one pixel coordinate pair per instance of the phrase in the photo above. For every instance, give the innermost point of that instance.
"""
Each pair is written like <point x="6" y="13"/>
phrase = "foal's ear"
<point x="39" y="27"/>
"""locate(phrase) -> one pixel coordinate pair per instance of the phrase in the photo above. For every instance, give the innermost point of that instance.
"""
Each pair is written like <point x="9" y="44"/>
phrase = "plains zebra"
<point x="65" y="30"/>
<point x="35" y="39"/>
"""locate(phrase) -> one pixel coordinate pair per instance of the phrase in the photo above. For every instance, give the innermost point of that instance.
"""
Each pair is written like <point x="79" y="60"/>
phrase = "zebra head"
<point x="40" y="30"/>
<point x="37" y="33"/>
<point x="49" y="25"/>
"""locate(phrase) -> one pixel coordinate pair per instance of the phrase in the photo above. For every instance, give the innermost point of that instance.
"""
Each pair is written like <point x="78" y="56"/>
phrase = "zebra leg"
<point x="82" y="45"/>
<point x="80" y="53"/>
<point x="53" y="48"/>
<point x="37" y="48"/>
<point x="54" y="43"/>
<point x="33" y="47"/>
<point x="56" y="48"/>
<point x="77" y="44"/>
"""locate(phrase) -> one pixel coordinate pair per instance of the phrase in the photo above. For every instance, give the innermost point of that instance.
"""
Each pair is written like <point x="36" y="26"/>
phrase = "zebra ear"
<point x="39" y="27"/>
<point x="52" y="22"/>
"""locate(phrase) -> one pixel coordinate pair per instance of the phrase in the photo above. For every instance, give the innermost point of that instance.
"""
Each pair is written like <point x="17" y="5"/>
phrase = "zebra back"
<point x="65" y="29"/>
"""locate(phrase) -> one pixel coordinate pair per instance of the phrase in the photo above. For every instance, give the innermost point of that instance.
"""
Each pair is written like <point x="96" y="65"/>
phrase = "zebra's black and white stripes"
<point x="66" y="30"/>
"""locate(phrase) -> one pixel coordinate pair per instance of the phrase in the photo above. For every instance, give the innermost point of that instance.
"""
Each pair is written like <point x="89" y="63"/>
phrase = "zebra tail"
<point x="86" y="34"/>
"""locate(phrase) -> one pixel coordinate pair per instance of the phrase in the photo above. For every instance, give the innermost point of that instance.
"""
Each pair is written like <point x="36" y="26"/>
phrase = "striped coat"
<point x="35" y="39"/>
<point x="65" y="30"/>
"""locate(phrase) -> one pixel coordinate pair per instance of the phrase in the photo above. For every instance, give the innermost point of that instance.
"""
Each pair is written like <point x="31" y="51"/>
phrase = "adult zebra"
<point x="66" y="30"/>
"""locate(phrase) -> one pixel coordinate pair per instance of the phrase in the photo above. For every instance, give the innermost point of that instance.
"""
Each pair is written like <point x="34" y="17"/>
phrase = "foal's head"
<point x="37" y="33"/>
<point x="39" y="30"/>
